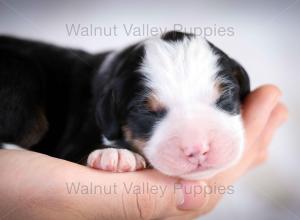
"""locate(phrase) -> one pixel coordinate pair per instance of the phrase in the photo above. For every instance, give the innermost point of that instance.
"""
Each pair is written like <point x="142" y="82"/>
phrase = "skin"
<point x="33" y="185"/>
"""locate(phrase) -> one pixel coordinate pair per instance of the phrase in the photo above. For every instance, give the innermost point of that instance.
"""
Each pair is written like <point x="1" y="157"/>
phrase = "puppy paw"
<point x="116" y="160"/>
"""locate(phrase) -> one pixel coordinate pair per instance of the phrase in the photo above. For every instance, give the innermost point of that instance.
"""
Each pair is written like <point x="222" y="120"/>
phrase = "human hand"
<point x="35" y="186"/>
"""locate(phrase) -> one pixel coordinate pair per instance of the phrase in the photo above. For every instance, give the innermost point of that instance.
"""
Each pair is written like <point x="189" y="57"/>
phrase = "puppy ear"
<point x="242" y="78"/>
<point x="173" y="36"/>
<point x="107" y="115"/>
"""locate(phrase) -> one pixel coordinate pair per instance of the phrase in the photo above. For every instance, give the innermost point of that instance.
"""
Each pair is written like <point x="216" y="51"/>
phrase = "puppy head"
<point x="176" y="99"/>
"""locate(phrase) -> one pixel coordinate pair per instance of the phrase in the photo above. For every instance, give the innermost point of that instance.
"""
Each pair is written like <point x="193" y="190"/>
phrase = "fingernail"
<point x="191" y="195"/>
<point x="276" y="97"/>
<point x="179" y="195"/>
<point x="282" y="120"/>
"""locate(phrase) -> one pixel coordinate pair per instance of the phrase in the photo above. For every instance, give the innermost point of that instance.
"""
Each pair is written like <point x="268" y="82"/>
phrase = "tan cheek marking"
<point x="127" y="133"/>
<point x="154" y="104"/>
<point x="36" y="132"/>
<point x="138" y="143"/>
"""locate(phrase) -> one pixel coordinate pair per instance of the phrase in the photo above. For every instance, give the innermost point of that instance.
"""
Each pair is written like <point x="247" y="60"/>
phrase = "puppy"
<point x="172" y="103"/>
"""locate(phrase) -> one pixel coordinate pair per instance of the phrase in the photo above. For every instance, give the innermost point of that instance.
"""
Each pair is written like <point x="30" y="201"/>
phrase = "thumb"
<point x="150" y="195"/>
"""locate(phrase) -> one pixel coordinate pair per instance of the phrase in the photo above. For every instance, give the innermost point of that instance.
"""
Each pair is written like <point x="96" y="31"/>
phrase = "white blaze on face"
<point x="195" y="139"/>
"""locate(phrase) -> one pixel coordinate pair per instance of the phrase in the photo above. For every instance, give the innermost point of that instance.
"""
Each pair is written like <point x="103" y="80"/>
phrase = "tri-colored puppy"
<point x="171" y="102"/>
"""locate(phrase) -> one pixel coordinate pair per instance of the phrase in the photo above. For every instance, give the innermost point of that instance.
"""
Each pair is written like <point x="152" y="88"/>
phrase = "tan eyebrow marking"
<point x="219" y="88"/>
<point x="154" y="104"/>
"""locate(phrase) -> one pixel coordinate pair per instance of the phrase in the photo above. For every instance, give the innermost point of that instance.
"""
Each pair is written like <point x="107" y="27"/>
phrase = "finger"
<point x="257" y="109"/>
<point x="278" y="116"/>
<point x="195" y="195"/>
<point x="150" y="195"/>
<point x="261" y="158"/>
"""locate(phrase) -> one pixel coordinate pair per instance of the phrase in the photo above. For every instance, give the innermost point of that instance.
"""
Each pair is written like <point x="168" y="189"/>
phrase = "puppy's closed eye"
<point x="159" y="113"/>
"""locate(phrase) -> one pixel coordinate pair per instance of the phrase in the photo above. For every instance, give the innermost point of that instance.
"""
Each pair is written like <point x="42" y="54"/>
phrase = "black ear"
<point x="107" y="115"/>
<point x="242" y="78"/>
<point x="172" y="36"/>
<point x="114" y="87"/>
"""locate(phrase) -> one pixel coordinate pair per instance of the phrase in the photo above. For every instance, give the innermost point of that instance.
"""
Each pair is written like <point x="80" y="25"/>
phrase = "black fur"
<point x="55" y="81"/>
<point x="173" y="36"/>
<point x="116" y="89"/>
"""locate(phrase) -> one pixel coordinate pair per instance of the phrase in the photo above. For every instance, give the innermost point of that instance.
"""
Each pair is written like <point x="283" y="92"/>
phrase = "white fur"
<point x="181" y="72"/>
<point x="183" y="76"/>
<point x="107" y="142"/>
<point x="11" y="147"/>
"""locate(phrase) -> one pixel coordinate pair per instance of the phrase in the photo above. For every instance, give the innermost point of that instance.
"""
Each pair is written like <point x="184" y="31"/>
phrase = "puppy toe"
<point x="140" y="162"/>
<point x="104" y="159"/>
<point x="116" y="160"/>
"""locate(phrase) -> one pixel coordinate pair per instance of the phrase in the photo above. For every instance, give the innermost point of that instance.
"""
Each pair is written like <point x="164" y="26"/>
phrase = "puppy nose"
<point x="196" y="153"/>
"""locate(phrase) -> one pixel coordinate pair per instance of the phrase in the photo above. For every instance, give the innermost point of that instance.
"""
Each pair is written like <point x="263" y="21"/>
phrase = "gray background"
<point x="265" y="41"/>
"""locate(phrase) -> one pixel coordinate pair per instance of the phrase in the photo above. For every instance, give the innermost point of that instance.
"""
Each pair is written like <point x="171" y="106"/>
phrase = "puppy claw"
<point x="116" y="160"/>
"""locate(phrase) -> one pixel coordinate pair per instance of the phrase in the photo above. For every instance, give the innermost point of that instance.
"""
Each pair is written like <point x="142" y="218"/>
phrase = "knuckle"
<point x="262" y="157"/>
<point x="142" y="205"/>
<point x="146" y="206"/>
